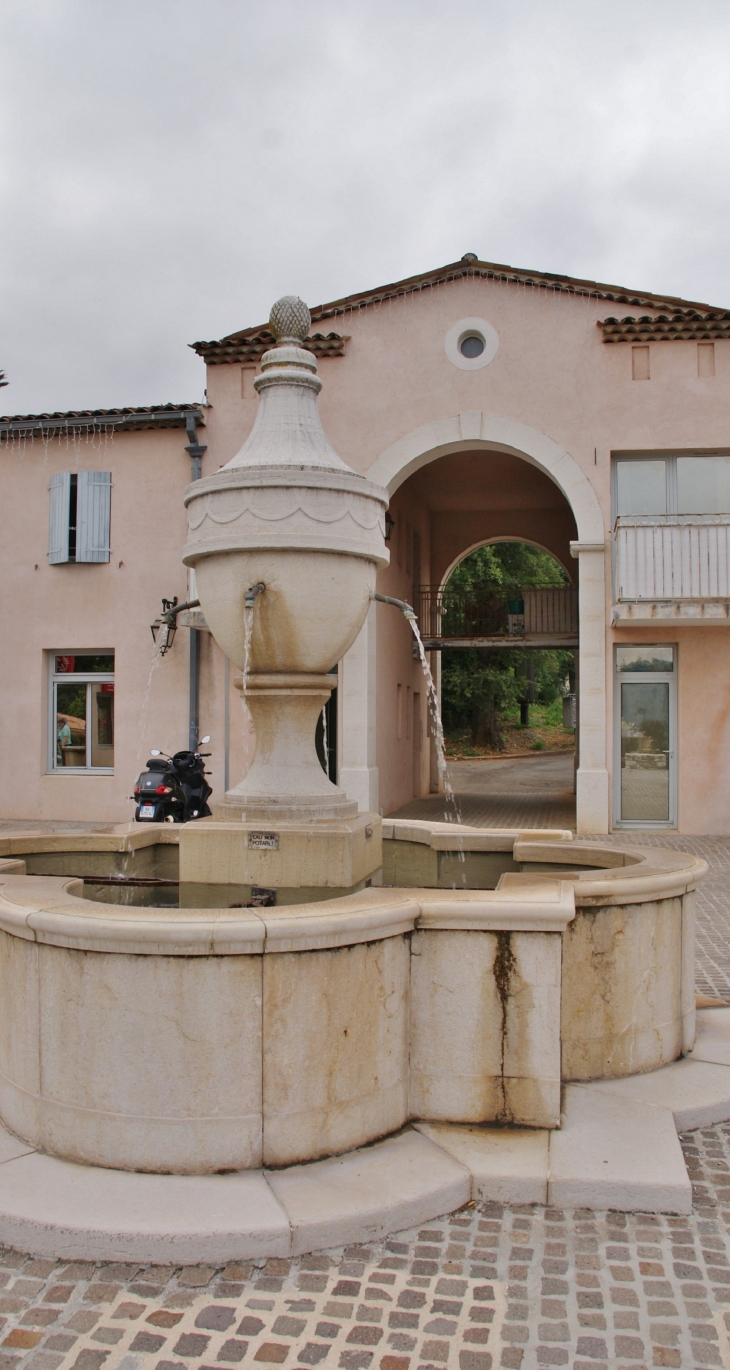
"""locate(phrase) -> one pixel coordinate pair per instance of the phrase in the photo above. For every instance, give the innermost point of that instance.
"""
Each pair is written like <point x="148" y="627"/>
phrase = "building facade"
<point x="494" y="404"/>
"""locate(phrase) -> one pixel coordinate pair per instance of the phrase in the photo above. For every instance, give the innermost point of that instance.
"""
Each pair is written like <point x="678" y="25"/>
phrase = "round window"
<point x="471" y="346"/>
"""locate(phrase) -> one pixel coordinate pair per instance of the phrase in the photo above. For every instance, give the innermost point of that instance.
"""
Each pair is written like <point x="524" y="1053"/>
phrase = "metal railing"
<point x="450" y="613"/>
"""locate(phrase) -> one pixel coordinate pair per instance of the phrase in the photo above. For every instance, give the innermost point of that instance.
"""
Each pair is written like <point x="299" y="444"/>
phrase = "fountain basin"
<point x="200" y="1040"/>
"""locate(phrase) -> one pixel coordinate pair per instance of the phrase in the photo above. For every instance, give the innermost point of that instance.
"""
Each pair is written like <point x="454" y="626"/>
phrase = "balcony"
<point x="537" y="618"/>
<point x="672" y="568"/>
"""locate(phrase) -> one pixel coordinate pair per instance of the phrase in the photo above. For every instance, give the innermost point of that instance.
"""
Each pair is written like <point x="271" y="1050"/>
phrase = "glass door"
<point x="645" y="788"/>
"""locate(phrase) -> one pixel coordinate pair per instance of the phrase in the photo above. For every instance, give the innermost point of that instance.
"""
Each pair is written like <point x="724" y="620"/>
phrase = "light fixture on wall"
<point x="389" y="526"/>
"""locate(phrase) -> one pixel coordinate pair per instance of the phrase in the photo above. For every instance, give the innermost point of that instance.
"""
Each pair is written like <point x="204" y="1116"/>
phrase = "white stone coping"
<point x="519" y="904"/>
<point x="50" y="909"/>
<point x="617" y="1148"/>
<point x="633" y="875"/>
<point x="460" y="837"/>
<point x="119" y="837"/>
<point x="628" y="875"/>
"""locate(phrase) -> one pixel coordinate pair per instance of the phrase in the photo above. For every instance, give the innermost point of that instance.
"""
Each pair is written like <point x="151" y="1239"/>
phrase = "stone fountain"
<point x="411" y="973"/>
<point x="290" y="525"/>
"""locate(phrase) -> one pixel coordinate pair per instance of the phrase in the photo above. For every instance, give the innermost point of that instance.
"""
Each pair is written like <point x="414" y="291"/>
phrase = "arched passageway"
<point x="508" y="707"/>
<point x="474" y="629"/>
<point x="457" y="484"/>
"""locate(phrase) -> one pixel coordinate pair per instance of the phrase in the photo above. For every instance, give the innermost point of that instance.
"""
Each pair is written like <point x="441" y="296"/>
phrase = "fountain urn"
<point x="289" y="514"/>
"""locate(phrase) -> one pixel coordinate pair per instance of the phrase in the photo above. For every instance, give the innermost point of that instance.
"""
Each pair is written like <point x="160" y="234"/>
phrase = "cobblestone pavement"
<point x="520" y="1287"/>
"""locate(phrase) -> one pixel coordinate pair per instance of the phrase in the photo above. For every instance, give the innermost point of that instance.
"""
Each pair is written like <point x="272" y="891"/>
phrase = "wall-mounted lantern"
<point x="165" y="625"/>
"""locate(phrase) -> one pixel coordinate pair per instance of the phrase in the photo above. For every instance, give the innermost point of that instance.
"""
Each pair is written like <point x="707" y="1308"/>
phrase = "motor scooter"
<point x="173" y="789"/>
<point x="191" y="772"/>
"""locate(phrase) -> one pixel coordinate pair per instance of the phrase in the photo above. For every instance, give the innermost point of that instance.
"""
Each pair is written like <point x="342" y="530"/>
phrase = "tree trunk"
<point x="485" y="725"/>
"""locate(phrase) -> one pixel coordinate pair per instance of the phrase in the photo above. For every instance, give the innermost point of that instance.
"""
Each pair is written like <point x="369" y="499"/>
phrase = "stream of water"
<point x="154" y="663"/>
<point x="247" y="634"/>
<point x="453" y="808"/>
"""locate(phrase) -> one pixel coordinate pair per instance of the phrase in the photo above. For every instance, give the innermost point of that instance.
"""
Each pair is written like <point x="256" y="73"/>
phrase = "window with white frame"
<point x="672" y="484"/>
<point x="82" y="711"/>
<point x="79" y="519"/>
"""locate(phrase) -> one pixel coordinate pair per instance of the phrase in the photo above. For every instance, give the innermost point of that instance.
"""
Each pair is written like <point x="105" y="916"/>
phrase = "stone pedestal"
<point x="300" y="860"/>
<point x="286" y="779"/>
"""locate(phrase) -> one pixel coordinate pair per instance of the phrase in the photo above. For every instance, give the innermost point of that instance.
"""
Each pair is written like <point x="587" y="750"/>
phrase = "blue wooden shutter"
<point x="60" y="489"/>
<point x="92" y="515"/>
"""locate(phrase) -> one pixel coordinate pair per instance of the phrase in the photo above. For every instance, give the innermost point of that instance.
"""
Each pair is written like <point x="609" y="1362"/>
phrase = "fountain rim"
<point x="51" y="909"/>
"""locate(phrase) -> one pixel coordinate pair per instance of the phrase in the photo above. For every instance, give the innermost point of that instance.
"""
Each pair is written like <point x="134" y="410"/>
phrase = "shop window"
<point x="82" y="711"/>
<point x="692" y="484"/>
<point x="79" y="521"/>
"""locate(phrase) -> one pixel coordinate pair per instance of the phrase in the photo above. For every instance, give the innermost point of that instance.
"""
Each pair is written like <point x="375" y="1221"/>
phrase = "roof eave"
<point x="572" y="285"/>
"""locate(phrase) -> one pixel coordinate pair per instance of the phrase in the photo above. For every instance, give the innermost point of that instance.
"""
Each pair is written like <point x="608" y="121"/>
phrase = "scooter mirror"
<point x="206" y="738"/>
<point x="155" y="752"/>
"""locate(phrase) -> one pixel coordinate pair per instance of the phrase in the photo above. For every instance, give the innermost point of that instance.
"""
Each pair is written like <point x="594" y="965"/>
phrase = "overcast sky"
<point x="170" y="167"/>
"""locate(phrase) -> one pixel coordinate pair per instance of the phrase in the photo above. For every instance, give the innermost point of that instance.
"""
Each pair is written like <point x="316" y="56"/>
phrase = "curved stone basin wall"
<point x="627" y="1002"/>
<point x="203" y="1040"/>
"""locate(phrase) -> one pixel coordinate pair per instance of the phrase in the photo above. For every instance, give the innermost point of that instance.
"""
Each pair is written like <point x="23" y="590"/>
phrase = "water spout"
<point x="433" y="703"/>
<point x="401" y="604"/>
<point x="252" y="592"/>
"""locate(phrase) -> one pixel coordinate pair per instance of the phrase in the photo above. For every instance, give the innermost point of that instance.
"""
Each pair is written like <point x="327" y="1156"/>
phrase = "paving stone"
<point x="196" y="1276"/>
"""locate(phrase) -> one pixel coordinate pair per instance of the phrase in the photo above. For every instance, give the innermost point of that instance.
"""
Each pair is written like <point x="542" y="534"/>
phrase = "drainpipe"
<point x="195" y="451"/>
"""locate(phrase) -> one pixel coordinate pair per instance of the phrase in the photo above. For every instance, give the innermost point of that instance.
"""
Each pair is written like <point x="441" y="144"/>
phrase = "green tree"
<point x="506" y="568"/>
<point x="479" y="687"/>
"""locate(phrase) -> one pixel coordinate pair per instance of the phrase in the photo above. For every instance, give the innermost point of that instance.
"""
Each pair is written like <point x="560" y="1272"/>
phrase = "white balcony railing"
<point x="672" y="556"/>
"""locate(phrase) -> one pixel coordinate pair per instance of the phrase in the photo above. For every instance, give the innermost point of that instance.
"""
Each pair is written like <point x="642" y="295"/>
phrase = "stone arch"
<point x="474" y="430"/>
<point x="489" y="542"/>
<point x="471" y="431"/>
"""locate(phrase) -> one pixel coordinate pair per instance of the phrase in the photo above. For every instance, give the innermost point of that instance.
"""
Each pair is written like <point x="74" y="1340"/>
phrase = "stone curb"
<point x="617" y="1149"/>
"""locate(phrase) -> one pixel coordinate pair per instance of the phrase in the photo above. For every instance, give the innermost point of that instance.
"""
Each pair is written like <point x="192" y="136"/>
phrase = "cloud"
<point x="168" y="170"/>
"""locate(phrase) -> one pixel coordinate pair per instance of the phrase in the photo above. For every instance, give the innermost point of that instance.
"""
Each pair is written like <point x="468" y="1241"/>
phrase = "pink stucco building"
<point x="493" y="403"/>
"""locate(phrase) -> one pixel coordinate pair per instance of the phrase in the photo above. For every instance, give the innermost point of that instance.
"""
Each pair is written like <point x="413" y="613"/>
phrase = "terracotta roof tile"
<point x="681" y="325"/>
<point x="468" y="266"/>
<point x="85" y="420"/>
<point x="252" y="343"/>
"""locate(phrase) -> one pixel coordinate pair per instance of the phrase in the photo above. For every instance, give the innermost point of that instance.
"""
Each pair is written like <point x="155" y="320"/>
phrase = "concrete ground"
<point x="514" y="1286"/>
<point x="524" y="792"/>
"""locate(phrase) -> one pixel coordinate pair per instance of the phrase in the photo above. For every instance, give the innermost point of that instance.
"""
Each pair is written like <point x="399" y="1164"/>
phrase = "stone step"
<point x="613" y="1152"/>
<point x="82" y="1212"/>
<point x="399" y="1183"/>
<point x="617" y="1149"/>
<point x="507" y="1164"/>
<point x="696" y="1092"/>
